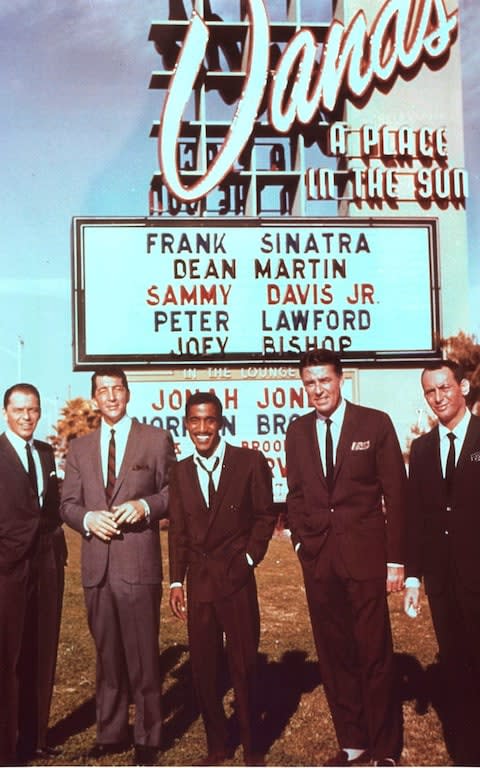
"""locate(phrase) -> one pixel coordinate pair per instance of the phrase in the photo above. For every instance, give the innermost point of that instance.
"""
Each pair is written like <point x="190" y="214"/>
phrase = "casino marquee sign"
<point x="259" y="291"/>
<point x="234" y="264"/>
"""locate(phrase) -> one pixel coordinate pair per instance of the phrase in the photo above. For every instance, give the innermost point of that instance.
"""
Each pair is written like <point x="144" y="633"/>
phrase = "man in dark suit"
<point x="346" y="513"/>
<point x="221" y="520"/>
<point x="114" y="493"/>
<point x="444" y="546"/>
<point x="32" y="560"/>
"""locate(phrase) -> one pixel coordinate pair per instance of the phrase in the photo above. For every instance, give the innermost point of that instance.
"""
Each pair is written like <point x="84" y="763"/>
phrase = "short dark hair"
<point x="109" y="370"/>
<point x="26" y="389"/>
<point x="456" y="368"/>
<point x="321" y="357"/>
<point x="198" y="398"/>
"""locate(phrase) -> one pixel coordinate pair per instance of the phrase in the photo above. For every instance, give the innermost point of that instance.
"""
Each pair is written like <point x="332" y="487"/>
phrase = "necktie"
<point x="32" y="472"/>
<point x="328" y="454"/>
<point x="111" y="477"/>
<point x="450" y="466"/>
<point x="211" y="487"/>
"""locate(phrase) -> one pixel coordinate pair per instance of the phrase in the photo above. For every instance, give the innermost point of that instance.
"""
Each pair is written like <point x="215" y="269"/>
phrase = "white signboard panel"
<point x="150" y="291"/>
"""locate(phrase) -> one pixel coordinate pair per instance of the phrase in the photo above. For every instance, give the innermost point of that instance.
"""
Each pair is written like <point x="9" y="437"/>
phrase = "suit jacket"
<point x="134" y="555"/>
<point x="21" y="516"/>
<point x="212" y="545"/>
<point x="366" y="508"/>
<point x="438" y="538"/>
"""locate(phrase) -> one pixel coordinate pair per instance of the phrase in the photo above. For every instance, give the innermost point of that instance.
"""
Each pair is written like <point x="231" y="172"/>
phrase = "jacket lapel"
<point x="311" y="438"/>
<point x="17" y="465"/>
<point x="13" y="455"/>
<point x="432" y="467"/>
<point x="471" y="442"/>
<point x="347" y="435"/>
<point x="45" y="469"/>
<point x="434" y="438"/>
<point x="128" y="457"/>
<point x="94" y="459"/>
<point x="225" y="476"/>
<point x="193" y="482"/>
<point x="195" y="506"/>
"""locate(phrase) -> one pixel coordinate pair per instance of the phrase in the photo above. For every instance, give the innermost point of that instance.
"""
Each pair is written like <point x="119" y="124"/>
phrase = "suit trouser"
<point x="13" y="592"/>
<point x="351" y="628"/>
<point x="456" y="620"/>
<point x="40" y="641"/>
<point x="238" y="617"/>
<point x="124" y="620"/>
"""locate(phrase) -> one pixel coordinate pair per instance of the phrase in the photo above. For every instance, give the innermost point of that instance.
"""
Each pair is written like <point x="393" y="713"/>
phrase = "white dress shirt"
<point x="460" y="431"/>
<point x="335" y="428"/>
<point x="209" y="462"/>
<point x="122" y="429"/>
<point x="18" y="443"/>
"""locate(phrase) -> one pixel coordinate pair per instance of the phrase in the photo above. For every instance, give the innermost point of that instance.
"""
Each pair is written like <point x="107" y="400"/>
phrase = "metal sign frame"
<point x="84" y="336"/>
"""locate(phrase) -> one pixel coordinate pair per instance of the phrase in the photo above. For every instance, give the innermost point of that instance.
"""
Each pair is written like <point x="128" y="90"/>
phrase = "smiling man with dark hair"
<point x="444" y="546"/>
<point x="346" y="511"/>
<point x="221" y="520"/>
<point x="32" y="560"/>
<point x="114" y="494"/>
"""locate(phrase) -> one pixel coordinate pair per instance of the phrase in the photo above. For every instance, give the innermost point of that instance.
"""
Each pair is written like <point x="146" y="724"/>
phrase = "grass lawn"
<point x="297" y="723"/>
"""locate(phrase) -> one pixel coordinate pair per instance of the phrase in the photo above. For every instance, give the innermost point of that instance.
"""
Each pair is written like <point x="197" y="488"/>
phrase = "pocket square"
<point x="475" y="456"/>
<point x="53" y="473"/>
<point x="362" y="445"/>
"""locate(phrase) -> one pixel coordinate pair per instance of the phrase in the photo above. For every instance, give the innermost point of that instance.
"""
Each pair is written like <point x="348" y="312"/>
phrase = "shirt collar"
<point x="459" y="431"/>
<point x="121" y="426"/>
<point x="337" y="416"/>
<point x="209" y="461"/>
<point x="17" y="441"/>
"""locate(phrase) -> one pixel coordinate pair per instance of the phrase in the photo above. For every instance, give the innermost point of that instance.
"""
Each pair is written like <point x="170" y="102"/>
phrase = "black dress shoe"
<point x="102" y="750"/>
<point x="341" y="759"/>
<point x="144" y="755"/>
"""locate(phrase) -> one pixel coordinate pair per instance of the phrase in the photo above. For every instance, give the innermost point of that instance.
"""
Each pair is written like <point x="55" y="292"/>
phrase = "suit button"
<point x="446" y="533"/>
<point x="449" y="509"/>
<point x="332" y="509"/>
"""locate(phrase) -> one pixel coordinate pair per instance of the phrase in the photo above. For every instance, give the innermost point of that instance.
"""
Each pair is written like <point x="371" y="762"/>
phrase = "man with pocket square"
<point x="114" y="494"/>
<point x="346" y="512"/>
<point x="32" y="559"/>
<point x="444" y="545"/>
<point x="221" y="521"/>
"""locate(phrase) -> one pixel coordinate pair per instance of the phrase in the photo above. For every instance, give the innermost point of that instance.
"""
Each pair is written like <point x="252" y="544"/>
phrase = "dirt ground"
<point x="296" y="721"/>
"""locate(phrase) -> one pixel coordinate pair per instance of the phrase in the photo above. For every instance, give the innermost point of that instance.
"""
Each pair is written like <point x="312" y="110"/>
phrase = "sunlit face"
<point x="203" y="425"/>
<point x="22" y="414"/>
<point x="445" y="395"/>
<point x="324" y="388"/>
<point x="111" y="398"/>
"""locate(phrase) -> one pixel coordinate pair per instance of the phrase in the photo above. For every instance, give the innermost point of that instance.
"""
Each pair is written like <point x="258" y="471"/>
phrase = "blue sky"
<point x="76" y="114"/>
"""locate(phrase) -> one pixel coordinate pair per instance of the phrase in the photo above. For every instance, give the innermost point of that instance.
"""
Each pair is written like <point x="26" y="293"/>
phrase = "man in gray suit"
<point x="114" y="493"/>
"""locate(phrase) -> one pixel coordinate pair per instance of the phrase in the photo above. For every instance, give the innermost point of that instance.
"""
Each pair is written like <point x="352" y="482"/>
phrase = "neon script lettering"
<point x="354" y="60"/>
